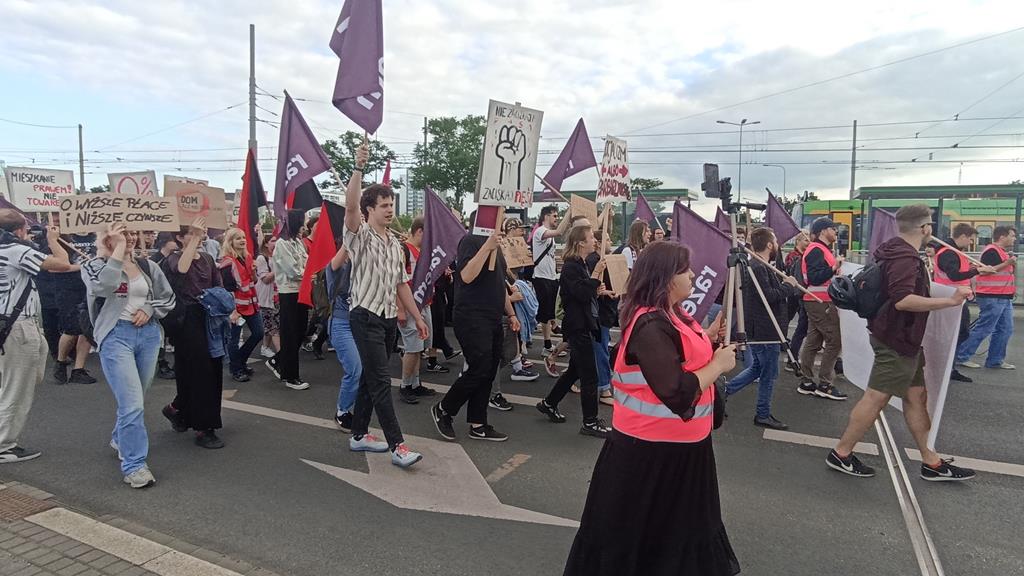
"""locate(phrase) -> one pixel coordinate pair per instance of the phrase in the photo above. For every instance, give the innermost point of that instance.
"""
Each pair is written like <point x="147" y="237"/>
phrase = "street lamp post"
<point x="783" y="178"/>
<point x="739" y="176"/>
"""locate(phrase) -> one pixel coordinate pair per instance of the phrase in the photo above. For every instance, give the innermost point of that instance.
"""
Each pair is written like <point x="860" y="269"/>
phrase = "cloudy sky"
<point x="659" y="73"/>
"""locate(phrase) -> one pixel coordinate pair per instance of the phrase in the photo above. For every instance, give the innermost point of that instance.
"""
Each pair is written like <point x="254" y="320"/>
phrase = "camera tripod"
<point x="739" y="263"/>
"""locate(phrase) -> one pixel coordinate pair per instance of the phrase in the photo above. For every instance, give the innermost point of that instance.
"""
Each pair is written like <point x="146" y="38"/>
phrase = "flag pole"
<point x="553" y="189"/>
<point x="958" y="251"/>
<point x="781" y="274"/>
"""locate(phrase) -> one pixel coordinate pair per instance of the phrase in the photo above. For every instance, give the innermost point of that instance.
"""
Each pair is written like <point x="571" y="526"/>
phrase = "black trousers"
<point x="481" y="340"/>
<point x="51" y="329"/>
<point x="582" y="367"/>
<point x="965" y="325"/>
<point x="199" y="379"/>
<point x="294" y="318"/>
<point x="374" y="338"/>
<point x="439" y="316"/>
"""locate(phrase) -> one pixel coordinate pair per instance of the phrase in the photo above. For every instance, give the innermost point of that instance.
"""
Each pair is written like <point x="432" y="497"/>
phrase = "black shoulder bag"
<point x="7" y="320"/>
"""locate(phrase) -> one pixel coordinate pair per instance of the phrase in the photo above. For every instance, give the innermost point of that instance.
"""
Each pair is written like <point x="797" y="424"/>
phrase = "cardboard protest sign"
<point x="939" y="351"/>
<point x="583" y="207"/>
<point x="141" y="183"/>
<point x="509" y="158"/>
<point x="198" y="200"/>
<point x="516" y="252"/>
<point x="82" y="213"/>
<point x="618" y="272"/>
<point x="488" y="219"/>
<point x="614" y="186"/>
<point x="183" y="180"/>
<point x="37" y="190"/>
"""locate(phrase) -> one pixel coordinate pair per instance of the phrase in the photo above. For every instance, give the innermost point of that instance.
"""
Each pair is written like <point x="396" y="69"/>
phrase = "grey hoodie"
<point x="106" y="279"/>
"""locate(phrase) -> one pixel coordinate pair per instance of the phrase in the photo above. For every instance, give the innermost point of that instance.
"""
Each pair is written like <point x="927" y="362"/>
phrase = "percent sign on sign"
<point x="140" y="183"/>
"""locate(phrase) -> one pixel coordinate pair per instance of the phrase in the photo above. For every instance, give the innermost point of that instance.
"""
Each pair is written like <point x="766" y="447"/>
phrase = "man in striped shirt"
<point x="378" y="277"/>
<point x="24" y="350"/>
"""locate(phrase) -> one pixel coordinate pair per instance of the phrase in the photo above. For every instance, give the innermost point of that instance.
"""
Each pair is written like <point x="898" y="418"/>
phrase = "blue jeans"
<point x="348" y="356"/>
<point x="765" y="368"/>
<point x="604" y="369"/>
<point x="128" y="357"/>
<point x="995" y="319"/>
<point x="239" y="356"/>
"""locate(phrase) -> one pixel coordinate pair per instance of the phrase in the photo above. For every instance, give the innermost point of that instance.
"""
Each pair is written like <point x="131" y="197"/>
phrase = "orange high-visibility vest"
<point x="638" y="411"/>
<point x="942" y="278"/>
<point x="1001" y="283"/>
<point x="821" y="291"/>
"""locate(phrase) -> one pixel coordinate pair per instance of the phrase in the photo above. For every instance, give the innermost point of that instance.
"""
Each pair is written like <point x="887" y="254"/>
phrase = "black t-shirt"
<point x="485" y="296"/>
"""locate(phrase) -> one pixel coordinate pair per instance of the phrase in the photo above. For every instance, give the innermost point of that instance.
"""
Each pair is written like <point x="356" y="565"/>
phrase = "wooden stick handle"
<point x="958" y="251"/>
<point x="72" y="248"/>
<point x="781" y="274"/>
<point x="499" y="224"/>
<point x="553" y="189"/>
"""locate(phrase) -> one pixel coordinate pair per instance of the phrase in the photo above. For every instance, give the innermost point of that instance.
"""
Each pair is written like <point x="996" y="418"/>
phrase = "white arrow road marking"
<point x="445" y="481"/>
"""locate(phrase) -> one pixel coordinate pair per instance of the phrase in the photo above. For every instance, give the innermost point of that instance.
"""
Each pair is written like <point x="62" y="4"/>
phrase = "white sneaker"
<point x="368" y="443"/>
<point x="141" y="478"/>
<point x="970" y="364"/>
<point x="267" y="352"/>
<point x="1005" y="366"/>
<point x="116" y="449"/>
<point x="403" y="457"/>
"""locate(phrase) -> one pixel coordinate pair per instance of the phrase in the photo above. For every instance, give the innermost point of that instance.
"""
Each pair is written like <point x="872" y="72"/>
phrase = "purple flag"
<point x="643" y="210"/>
<point x="576" y="157"/>
<point x="442" y="233"/>
<point x="780" y="221"/>
<point x="299" y="157"/>
<point x="883" y="227"/>
<point x="358" y="40"/>
<point x="709" y="255"/>
<point x="722" y="221"/>
<point x="5" y="204"/>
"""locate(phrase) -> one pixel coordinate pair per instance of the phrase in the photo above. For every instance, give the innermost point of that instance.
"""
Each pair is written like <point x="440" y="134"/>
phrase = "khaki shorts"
<point x="895" y="374"/>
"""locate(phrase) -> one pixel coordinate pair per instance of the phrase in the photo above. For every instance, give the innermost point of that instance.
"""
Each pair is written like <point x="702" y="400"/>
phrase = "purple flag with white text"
<point x="299" y="156"/>
<point x="883" y="227"/>
<point x="576" y="157"/>
<point x="358" y="40"/>
<point x="644" y="212"/>
<point x="442" y="233"/>
<point x="780" y="221"/>
<point x="709" y="255"/>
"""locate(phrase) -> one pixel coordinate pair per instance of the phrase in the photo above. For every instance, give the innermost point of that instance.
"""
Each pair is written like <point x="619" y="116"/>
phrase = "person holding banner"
<point x="580" y="290"/>
<point x="127" y="298"/>
<point x="897" y="332"/>
<point x="995" y="300"/>
<point x="818" y="267"/>
<point x="24" y="348"/>
<point x="545" y="274"/>
<point x="653" y="506"/>
<point x="237" y="264"/>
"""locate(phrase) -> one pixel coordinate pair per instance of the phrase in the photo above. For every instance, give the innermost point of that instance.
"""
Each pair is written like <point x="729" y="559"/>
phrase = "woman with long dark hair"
<point x="637" y="239"/>
<point x="579" y="299"/>
<point x="653" y="505"/>
<point x="289" y="262"/>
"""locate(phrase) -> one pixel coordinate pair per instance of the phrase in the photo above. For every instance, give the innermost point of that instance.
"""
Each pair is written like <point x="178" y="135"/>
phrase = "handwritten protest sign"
<point x="509" y="157"/>
<point x="614" y="186"/>
<point x="141" y="183"/>
<point x="516" y="253"/>
<point x="584" y="207"/>
<point x="82" y="213"/>
<point x="198" y="200"/>
<point x="37" y="190"/>
<point x="618" y="272"/>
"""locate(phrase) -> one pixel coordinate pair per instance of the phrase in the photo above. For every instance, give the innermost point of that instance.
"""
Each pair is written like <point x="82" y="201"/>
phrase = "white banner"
<point x="614" y="186"/>
<point x="939" y="351"/>
<point x="141" y="183"/>
<point x="37" y="190"/>
<point x="509" y="159"/>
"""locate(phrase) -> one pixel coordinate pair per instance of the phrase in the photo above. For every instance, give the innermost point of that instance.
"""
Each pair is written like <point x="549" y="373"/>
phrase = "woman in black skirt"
<point x="653" y="506"/>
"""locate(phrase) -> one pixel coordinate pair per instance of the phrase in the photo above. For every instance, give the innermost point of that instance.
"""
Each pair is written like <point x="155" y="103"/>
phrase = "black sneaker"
<point x="164" y="371"/>
<point x="272" y="366"/>
<point x="957" y="376"/>
<point x="498" y="402"/>
<point x="596" y="428"/>
<point x="296" y="384"/>
<point x="454" y="354"/>
<point x="60" y="372"/>
<point x="831" y="392"/>
<point x="422" y="391"/>
<point x="18" y="454"/>
<point x="849" y="465"/>
<point x="946" y="472"/>
<point x="240" y="376"/>
<point x="209" y="440"/>
<point x="248" y="371"/>
<point x="433" y="366"/>
<point x="175" y="417"/>
<point x="550" y="411"/>
<point x="770" y="422"/>
<point x="443" y="422"/>
<point x="807" y="388"/>
<point x="408" y="395"/>
<point x="487" y="432"/>
<point x="81" y="376"/>
<point x="344" y="421"/>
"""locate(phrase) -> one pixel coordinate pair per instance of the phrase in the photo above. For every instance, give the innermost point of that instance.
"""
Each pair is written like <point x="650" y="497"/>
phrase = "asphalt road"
<point x="786" y="513"/>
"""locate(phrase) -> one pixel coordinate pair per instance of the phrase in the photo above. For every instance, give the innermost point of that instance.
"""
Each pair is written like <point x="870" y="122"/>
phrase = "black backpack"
<point x="864" y="293"/>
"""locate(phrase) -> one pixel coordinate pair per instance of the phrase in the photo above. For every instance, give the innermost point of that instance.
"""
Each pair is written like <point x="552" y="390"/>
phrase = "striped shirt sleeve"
<point x="30" y="260"/>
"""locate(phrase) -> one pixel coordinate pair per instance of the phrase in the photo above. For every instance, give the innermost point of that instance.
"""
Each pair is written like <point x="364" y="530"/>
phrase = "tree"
<point x="450" y="161"/>
<point x="645" y="184"/>
<point x="342" y="154"/>
<point x="99" y="189"/>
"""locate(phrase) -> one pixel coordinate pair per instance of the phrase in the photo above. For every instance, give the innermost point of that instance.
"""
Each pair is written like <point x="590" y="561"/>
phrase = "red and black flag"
<point x="253" y="196"/>
<point x="306" y="197"/>
<point x="326" y="240"/>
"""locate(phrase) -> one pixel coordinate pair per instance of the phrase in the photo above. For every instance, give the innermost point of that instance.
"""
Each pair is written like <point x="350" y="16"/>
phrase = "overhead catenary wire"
<point x="30" y="124"/>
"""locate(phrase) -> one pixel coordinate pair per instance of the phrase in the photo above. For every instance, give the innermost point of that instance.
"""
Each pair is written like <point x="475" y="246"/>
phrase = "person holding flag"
<point x="995" y="301"/>
<point x="818" y="267"/>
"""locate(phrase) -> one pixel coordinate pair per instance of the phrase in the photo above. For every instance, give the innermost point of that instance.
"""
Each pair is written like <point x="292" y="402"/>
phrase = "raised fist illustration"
<point x="511" y="148"/>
